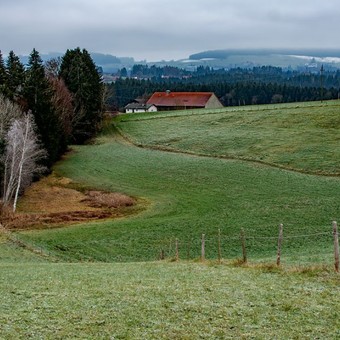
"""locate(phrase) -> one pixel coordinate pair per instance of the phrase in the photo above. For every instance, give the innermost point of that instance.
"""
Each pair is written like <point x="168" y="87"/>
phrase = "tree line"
<point x="236" y="86"/>
<point x="123" y="91"/>
<point x="314" y="77"/>
<point x="43" y="109"/>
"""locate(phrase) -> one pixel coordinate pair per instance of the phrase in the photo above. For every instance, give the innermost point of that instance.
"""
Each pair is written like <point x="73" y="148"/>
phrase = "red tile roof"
<point x="180" y="99"/>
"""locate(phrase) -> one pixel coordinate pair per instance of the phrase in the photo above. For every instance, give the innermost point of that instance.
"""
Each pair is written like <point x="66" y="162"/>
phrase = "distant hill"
<point x="224" y="54"/>
<point x="44" y="57"/>
<point x="231" y="58"/>
<point x="285" y="58"/>
<point x="107" y="62"/>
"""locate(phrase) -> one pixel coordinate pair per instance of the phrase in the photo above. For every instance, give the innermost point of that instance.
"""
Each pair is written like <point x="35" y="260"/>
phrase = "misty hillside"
<point x="244" y="58"/>
<point x="285" y="58"/>
<point x="224" y="54"/>
<point x="108" y="62"/>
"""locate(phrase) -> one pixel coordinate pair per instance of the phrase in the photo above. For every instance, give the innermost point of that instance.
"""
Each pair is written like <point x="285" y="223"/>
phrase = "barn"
<point x="184" y="100"/>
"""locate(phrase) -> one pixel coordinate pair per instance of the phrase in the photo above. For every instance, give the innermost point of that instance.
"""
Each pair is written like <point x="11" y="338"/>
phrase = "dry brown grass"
<point x="52" y="195"/>
<point x="99" y="199"/>
<point x="53" y="201"/>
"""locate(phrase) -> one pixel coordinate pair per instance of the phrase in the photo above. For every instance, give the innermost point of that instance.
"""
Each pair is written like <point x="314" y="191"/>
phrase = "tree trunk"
<point x="21" y="164"/>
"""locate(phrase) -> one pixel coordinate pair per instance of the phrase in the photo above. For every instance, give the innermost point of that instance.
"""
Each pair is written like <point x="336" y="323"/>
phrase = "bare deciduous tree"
<point x="62" y="101"/>
<point x="8" y="112"/>
<point x="21" y="158"/>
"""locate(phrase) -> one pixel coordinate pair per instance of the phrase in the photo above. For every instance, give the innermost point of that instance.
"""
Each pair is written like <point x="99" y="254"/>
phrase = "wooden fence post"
<point x="279" y="244"/>
<point x="188" y="249"/>
<point x="244" y="249"/>
<point x="203" y="248"/>
<point x="177" y="253"/>
<point x="219" y="246"/>
<point x="336" y="246"/>
<point x="162" y="254"/>
<point x="170" y="248"/>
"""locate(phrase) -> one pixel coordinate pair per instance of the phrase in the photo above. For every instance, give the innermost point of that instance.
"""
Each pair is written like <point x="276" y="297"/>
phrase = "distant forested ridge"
<point x="239" y="86"/>
<point x="222" y="54"/>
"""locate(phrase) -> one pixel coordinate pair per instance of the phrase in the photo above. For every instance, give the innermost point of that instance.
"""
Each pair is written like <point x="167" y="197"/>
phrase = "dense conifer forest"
<point x="259" y="85"/>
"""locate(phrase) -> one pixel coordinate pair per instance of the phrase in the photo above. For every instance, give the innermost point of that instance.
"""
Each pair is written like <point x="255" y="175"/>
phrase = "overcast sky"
<point x="158" y="29"/>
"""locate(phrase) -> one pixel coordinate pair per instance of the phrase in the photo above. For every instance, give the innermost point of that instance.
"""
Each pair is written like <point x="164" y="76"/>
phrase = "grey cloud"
<point x="164" y="30"/>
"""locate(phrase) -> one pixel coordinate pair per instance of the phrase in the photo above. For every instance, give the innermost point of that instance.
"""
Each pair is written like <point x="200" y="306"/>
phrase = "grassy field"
<point x="303" y="137"/>
<point x="191" y="196"/>
<point x="185" y="195"/>
<point x="165" y="301"/>
<point x="66" y="282"/>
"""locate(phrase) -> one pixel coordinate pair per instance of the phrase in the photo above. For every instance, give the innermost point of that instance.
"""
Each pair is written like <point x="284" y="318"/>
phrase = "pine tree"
<point x="84" y="82"/>
<point x="15" y="76"/>
<point x="3" y="75"/>
<point x="38" y="96"/>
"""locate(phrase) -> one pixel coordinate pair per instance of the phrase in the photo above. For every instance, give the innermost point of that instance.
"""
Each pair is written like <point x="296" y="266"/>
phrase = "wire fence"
<point x="291" y="246"/>
<point x="284" y="248"/>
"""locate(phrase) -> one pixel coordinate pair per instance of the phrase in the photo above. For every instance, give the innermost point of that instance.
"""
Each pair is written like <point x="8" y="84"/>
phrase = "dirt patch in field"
<point x="55" y="201"/>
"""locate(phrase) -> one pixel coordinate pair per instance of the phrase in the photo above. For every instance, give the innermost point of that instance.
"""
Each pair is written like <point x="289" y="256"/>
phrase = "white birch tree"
<point x="22" y="154"/>
<point x="8" y="112"/>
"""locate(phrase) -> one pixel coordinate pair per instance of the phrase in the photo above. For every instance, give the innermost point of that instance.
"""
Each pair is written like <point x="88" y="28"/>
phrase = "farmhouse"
<point x="184" y="100"/>
<point x="140" y="107"/>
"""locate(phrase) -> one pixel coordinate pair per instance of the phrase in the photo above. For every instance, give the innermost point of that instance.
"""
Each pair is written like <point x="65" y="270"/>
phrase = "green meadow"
<point x="192" y="173"/>
<point x="182" y="195"/>
<point x="157" y="300"/>
<point x="301" y="136"/>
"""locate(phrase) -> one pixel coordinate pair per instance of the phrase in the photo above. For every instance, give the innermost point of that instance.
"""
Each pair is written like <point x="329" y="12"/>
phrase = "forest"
<point x="43" y="109"/>
<point x="259" y="85"/>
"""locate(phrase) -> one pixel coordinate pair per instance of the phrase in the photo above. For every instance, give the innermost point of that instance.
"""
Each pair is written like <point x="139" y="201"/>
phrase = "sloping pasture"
<point x="302" y="136"/>
<point x="184" y="195"/>
<point x="54" y="283"/>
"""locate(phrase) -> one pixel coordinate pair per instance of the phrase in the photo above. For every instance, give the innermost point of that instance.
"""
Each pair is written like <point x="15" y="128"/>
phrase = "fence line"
<point x="217" y="243"/>
<point x="270" y="237"/>
<point x="309" y="235"/>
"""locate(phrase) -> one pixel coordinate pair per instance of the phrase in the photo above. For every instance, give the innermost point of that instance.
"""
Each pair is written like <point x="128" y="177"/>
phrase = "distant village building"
<point x="184" y="100"/>
<point x="140" y="107"/>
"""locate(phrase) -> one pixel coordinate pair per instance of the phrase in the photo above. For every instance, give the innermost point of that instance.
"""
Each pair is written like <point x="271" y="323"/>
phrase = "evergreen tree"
<point x="3" y="75"/>
<point x="38" y="96"/>
<point x="15" y="76"/>
<point x="123" y="72"/>
<point x="84" y="82"/>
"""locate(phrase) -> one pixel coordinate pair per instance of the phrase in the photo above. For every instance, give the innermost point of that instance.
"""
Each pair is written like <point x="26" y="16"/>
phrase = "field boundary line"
<point x="11" y="237"/>
<point x="127" y="139"/>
